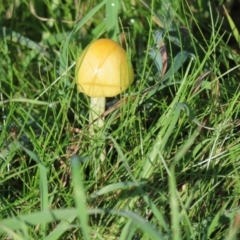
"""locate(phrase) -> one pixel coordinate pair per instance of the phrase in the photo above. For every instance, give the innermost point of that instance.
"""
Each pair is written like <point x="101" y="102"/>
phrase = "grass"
<point x="172" y="140"/>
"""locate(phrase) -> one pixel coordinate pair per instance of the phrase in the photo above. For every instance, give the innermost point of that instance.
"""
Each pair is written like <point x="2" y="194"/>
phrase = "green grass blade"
<point x="80" y="198"/>
<point x="43" y="184"/>
<point x="233" y="27"/>
<point x="20" y="39"/>
<point x="176" y="235"/>
<point x="60" y="228"/>
<point x="27" y="100"/>
<point x="33" y="219"/>
<point x="113" y="187"/>
<point x="89" y="15"/>
<point x="112" y="8"/>
<point x="128" y="231"/>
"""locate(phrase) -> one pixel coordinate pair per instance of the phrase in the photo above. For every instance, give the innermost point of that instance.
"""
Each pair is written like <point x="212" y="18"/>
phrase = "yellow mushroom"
<point x="103" y="70"/>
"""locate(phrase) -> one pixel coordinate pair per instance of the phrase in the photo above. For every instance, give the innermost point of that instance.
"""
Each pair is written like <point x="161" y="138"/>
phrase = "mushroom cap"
<point x="103" y="69"/>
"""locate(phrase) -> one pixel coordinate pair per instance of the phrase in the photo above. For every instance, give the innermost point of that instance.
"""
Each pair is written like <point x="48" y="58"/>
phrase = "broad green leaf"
<point x="177" y="63"/>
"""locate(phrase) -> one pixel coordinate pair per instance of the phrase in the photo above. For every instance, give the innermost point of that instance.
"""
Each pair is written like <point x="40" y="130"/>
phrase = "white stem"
<point x="97" y="108"/>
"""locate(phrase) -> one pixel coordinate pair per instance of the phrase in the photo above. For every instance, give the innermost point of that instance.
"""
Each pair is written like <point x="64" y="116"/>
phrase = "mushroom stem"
<point x="97" y="108"/>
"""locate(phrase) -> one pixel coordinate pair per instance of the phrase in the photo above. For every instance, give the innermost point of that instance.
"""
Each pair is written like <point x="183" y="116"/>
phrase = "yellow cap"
<point x="103" y="69"/>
